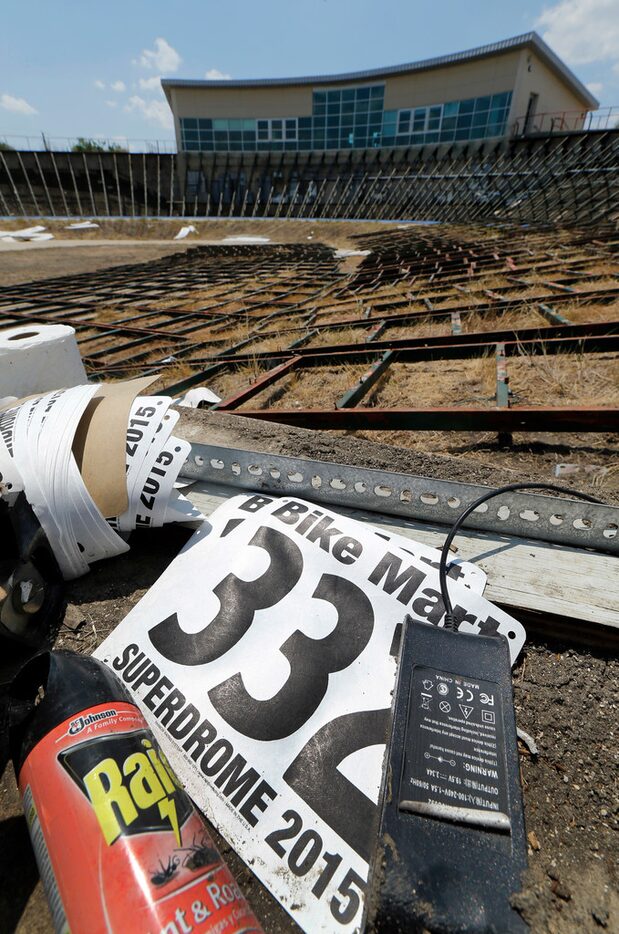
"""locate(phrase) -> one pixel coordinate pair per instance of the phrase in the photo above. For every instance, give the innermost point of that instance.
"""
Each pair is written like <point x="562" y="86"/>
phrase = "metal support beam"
<point x="233" y="402"/>
<point x="517" y="418"/>
<point x="369" y="378"/>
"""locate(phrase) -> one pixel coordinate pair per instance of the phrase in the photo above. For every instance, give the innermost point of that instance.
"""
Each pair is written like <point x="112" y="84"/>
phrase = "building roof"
<point x="527" y="40"/>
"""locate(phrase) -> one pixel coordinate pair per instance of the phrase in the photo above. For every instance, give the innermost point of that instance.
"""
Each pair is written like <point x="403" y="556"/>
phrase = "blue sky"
<point x="85" y="68"/>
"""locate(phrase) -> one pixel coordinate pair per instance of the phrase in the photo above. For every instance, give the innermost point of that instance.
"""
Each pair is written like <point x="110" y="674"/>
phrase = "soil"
<point x="565" y="697"/>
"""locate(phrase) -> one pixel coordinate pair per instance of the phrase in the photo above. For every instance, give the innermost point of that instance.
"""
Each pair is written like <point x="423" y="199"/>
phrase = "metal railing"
<point x="566" y="121"/>
<point x="45" y="143"/>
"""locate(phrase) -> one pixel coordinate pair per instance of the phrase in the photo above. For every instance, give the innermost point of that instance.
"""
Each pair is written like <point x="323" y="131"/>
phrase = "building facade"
<point x="494" y="91"/>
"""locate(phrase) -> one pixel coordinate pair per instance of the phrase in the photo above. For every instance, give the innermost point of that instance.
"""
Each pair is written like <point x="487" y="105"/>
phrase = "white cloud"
<point x="100" y="85"/>
<point x="118" y="86"/>
<point x="151" y="84"/>
<point x="596" y="87"/>
<point x="163" y="57"/>
<point x="214" y="74"/>
<point x="17" y="105"/>
<point x="153" y="111"/>
<point x="111" y="103"/>
<point x="582" y="31"/>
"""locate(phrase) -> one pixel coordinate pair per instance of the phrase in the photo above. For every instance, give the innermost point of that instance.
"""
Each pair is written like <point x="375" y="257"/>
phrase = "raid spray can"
<point x="120" y="847"/>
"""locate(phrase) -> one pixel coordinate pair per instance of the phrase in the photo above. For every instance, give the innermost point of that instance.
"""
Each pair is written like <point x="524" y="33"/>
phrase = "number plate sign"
<point x="265" y="658"/>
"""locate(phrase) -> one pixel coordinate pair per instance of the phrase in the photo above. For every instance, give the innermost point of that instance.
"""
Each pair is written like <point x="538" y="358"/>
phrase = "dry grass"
<point x="581" y="314"/>
<point x="337" y="336"/>
<point x="425" y="327"/>
<point x="316" y="387"/>
<point x="437" y="383"/>
<point x="526" y="317"/>
<point x="565" y="379"/>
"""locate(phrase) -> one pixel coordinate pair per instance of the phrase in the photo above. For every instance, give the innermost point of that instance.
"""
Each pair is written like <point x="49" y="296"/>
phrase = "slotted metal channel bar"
<point x="526" y="515"/>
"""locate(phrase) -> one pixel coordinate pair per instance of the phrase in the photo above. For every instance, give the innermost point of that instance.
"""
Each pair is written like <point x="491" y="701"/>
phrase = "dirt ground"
<point x="566" y="696"/>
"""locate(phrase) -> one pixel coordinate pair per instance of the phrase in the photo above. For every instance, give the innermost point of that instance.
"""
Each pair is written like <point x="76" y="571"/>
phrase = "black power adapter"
<point x="452" y="844"/>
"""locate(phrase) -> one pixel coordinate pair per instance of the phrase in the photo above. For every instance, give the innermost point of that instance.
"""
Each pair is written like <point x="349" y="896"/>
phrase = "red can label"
<point x="120" y="846"/>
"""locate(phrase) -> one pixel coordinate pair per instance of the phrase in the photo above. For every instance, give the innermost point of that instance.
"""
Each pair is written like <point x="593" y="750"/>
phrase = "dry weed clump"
<point x="313" y="388"/>
<point x="425" y="327"/>
<point x="525" y="317"/>
<point x="437" y="383"/>
<point x="582" y="314"/>
<point x="564" y="379"/>
<point x="339" y="336"/>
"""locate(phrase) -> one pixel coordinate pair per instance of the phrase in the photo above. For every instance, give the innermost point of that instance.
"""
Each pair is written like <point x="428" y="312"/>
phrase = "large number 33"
<point x="311" y="663"/>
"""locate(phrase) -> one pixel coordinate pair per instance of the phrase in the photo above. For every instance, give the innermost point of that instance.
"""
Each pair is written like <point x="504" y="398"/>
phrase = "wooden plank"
<point x="580" y="586"/>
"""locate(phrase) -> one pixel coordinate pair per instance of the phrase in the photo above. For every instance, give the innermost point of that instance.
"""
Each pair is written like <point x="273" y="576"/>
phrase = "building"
<point x="511" y="88"/>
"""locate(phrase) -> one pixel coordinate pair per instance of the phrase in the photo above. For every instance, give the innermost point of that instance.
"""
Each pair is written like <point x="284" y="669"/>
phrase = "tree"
<point x="4" y="147"/>
<point x="87" y="145"/>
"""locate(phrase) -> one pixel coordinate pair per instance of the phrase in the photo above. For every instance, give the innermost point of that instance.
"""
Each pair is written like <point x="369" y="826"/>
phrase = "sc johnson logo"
<point x="129" y="784"/>
<point x="80" y="723"/>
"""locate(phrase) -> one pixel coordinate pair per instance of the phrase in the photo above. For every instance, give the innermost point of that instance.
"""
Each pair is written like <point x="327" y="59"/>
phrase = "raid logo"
<point x="129" y="784"/>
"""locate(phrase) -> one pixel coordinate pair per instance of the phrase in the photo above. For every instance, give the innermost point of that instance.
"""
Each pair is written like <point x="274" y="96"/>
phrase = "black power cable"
<point x="450" y="622"/>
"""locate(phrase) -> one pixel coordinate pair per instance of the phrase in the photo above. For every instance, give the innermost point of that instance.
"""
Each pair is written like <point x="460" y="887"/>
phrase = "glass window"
<point x="333" y="108"/>
<point x="220" y="125"/>
<point x="221" y="136"/>
<point x="449" y="123"/>
<point x="451" y="109"/>
<point x="404" y="121"/>
<point x="305" y="123"/>
<point x="276" y="125"/>
<point x="419" y="118"/>
<point x="348" y="107"/>
<point x="434" y="117"/>
<point x="249" y="137"/>
<point x="333" y="121"/>
<point x="249" y="124"/>
<point x="276" y="132"/>
<point x="465" y="120"/>
<point x="466" y="107"/>
<point x="376" y="104"/>
<point x="333" y="97"/>
<point x="190" y="123"/>
<point x="205" y="124"/>
<point x="191" y="147"/>
<point x="479" y="119"/>
<point x="362" y="94"/>
<point x="482" y="103"/>
<point x="320" y="97"/>
<point x="320" y="109"/>
<point x="501" y="100"/>
<point x="348" y="94"/>
<point x="263" y="134"/>
<point x="377" y="90"/>
<point x="191" y="134"/>
<point x="320" y="122"/>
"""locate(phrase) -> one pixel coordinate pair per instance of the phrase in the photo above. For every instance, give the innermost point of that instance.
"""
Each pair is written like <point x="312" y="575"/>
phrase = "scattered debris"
<point x="82" y="225"/>
<point x="29" y="233"/>
<point x="568" y="470"/>
<point x="185" y="231"/>
<point x="533" y="841"/>
<point x="241" y="239"/>
<point x="528" y="741"/>
<point x="199" y="398"/>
